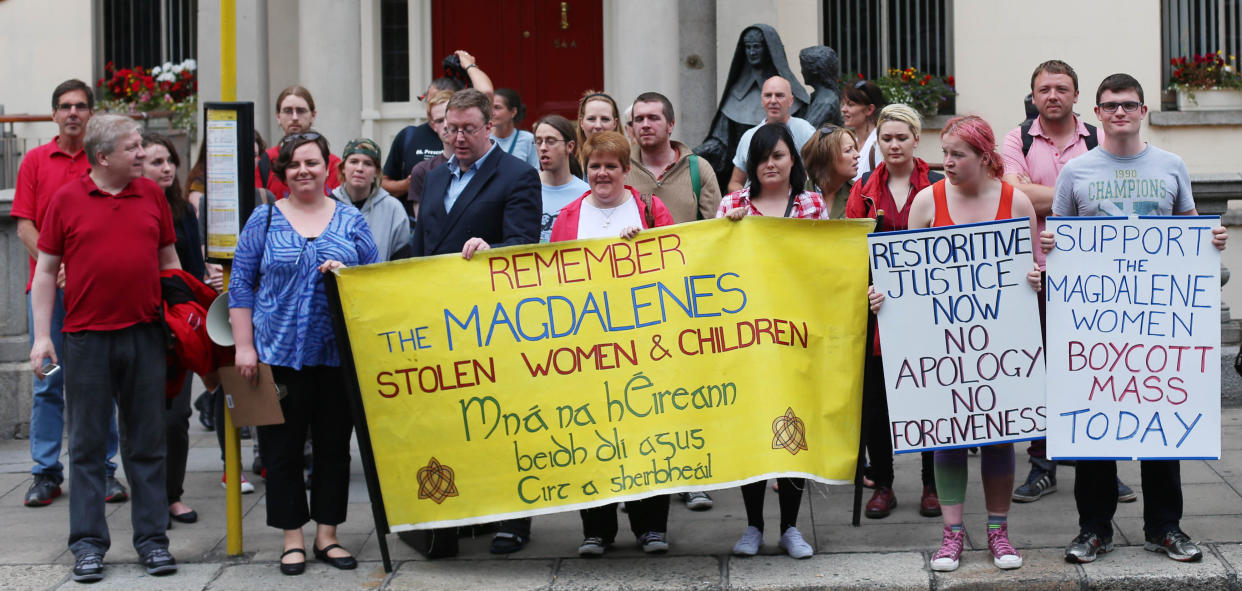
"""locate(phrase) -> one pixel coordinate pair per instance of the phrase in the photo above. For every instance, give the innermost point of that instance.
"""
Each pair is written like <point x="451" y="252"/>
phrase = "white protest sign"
<point x="963" y="358"/>
<point x="1134" y="338"/>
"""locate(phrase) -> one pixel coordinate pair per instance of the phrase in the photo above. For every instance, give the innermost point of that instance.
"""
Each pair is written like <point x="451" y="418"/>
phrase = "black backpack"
<point x="1091" y="139"/>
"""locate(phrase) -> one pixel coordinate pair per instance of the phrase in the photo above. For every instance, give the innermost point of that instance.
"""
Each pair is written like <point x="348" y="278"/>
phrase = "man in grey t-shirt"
<point x="1126" y="176"/>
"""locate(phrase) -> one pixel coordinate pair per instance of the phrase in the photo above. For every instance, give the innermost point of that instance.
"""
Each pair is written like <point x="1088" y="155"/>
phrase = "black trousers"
<point x="879" y="443"/>
<point x="649" y="514"/>
<point x="177" y="434"/>
<point x="124" y="369"/>
<point x="1095" y="493"/>
<point x="316" y="400"/>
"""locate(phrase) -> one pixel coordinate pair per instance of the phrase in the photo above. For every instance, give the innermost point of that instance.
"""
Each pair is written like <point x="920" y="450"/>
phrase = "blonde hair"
<point x="901" y="113"/>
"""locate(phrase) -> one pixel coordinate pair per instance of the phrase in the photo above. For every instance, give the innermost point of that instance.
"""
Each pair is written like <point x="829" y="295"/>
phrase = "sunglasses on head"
<point x="828" y="128"/>
<point x="309" y="136"/>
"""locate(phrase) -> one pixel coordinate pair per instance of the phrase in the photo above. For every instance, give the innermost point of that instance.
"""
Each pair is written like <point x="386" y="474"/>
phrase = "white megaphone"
<point x="219" y="329"/>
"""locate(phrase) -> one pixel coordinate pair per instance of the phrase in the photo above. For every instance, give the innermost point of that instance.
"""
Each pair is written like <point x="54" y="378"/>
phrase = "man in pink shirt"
<point x="1034" y="154"/>
<point x="44" y="170"/>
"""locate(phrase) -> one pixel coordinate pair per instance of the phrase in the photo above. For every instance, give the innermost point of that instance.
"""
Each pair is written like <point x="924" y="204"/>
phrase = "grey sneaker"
<point x="653" y="542"/>
<point x="1177" y="545"/>
<point x="697" y="501"/>
<point x="42" y="491"/>
<point x="1038" y="483"/>
<point x="1086" y="547"/>
<point x="592" y="547"/>
<point x="88" y="567"/>
<point x="752" y="538"/>
<point x="115" y="491"/>
<point x="1125" y="494"/>
<point x="159" y="562"/>
<point x="793" y="544"/>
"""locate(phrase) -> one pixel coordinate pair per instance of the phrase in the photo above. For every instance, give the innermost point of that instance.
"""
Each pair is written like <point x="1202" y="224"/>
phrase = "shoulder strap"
<point x="1092" y="140"/>
<point x="933" y="177"/>
<point x="649" y="211"/>
<point x="696" y="183"/>
<point x="1004" y="209"/>
<point x="793" y="195"/>
<point x="1027" y="138"/>
<point x="265" y="167"/>
<point x="865" y="176"/>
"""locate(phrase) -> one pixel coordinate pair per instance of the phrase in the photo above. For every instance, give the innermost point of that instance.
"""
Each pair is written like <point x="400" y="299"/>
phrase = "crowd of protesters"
<point x="114" y="240"/>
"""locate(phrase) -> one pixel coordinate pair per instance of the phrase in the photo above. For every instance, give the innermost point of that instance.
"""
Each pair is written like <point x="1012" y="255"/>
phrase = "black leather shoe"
<point x="343" y="563"/>
<point x="293" y="568"/>
<point x="187" y="517"/>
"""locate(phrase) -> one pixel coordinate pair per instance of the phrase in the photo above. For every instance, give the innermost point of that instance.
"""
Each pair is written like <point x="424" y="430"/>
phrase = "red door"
<point x="548" y="51"/>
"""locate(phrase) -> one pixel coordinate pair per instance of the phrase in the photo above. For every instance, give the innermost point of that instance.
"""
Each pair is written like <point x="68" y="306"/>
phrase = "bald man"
<point x="777" y="99"/>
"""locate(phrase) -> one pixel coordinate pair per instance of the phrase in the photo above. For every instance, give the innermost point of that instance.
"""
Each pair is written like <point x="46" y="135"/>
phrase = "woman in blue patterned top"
<point x="279" y="312"/>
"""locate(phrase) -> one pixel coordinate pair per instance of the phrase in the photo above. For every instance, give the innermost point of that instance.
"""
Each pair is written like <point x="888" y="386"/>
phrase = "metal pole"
<point x="232" y="441"/>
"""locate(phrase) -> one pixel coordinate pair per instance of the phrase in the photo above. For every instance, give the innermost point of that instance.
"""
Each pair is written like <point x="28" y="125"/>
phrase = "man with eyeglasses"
<point x="482" y="198"/>
<point x="660" y="166"/>
<point x="778" y="100"/>
<point x="45" y="170"/>
<point x="1034" y="154"/>
<point x="1124" y="154"/>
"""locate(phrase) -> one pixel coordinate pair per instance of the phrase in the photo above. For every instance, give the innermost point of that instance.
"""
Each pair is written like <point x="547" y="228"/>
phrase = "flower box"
<point x="1214" y="99"/>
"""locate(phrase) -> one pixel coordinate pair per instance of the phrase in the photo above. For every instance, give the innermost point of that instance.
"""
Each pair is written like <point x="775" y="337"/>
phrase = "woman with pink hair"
<point x="974" y="193"/>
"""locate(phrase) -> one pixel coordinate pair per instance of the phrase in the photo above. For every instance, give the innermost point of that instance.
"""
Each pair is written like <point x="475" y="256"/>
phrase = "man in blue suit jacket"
<point x="483" y="197"/>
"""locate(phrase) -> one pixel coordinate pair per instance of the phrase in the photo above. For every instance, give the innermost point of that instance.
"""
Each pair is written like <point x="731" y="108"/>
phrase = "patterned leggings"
<point x="996" y="465"/>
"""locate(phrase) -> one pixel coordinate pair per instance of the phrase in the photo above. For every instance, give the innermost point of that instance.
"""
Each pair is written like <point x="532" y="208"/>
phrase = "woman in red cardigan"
<point x="611" y="208"/>
<point x="891" y="188"/>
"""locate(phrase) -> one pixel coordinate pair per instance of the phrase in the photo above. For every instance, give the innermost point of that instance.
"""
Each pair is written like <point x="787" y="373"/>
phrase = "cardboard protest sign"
<point x="545" y="378"/>
<point x="1133" y="338"/>
<point x="959" y="328"/>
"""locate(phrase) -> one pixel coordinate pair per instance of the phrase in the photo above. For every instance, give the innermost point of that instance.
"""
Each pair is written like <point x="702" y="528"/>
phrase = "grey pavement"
<point x="889" y="553"/>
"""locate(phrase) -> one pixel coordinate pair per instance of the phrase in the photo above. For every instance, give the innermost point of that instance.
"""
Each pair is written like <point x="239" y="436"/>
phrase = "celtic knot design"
<point x="790" y="432"/>
<point x="435" y="482"/>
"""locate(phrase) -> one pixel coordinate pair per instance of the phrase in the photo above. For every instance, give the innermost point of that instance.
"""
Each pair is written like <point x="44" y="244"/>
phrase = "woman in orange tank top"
<point x="973" y="193"/>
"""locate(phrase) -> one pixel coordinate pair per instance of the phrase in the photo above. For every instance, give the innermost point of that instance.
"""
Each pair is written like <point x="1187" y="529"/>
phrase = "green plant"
<point x="924" y="92"/>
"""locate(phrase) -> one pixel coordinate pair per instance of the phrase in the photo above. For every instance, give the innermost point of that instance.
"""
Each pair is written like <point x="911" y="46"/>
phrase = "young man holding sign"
<point x="1034" y="154"/>
<point x="1157" y="184"/>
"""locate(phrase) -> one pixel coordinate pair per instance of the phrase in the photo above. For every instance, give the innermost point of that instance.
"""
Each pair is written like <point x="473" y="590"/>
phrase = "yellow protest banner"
<point x="545" y="378"/>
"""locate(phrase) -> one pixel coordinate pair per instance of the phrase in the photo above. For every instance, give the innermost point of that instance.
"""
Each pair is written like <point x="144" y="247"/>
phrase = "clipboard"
<point x="251" y="405"/>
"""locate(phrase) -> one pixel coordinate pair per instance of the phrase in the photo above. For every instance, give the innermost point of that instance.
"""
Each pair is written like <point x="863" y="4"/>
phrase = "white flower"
<point x="155" y="71"/>
<point x="176" y="69"/>
<point x="190" y="64"/>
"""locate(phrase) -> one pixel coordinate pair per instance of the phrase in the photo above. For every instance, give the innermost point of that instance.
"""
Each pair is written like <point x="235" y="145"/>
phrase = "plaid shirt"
<point x="808" y="205"/>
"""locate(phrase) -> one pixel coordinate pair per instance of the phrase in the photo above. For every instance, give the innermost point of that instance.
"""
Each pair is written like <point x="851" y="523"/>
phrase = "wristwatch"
<point x="471" y="66"/>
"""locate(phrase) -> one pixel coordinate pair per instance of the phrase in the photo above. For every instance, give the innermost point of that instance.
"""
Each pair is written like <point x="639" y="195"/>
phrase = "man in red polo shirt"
<point x="44" y="170"/>
<point x="113" y="230"/>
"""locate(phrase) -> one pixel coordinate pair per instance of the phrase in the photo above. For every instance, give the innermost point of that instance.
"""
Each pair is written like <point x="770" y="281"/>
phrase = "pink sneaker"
<point x="1003" y="554"/>
<point x="946" y="558"/>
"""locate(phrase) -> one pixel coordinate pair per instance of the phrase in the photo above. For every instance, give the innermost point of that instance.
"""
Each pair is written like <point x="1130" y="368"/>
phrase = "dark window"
<point x="395" y="51"/>
<point x="874" y="36"/>
<point x="149" y="33"/>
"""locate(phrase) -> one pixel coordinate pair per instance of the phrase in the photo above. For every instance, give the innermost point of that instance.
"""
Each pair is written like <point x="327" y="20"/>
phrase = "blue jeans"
<point x="47" y="410"/>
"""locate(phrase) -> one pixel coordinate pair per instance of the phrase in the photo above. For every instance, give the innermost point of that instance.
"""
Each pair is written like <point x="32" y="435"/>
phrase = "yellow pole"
<point x="232" y="442"/>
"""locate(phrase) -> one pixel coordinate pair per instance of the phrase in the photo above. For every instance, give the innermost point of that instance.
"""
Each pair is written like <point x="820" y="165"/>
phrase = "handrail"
<point x="31" y="118"/>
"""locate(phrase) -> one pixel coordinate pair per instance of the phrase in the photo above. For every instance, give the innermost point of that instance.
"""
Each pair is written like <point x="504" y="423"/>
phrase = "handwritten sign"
<point x="963" y="361"/>
<point x="545" y="378"/>
<point x="1133" y="338"/>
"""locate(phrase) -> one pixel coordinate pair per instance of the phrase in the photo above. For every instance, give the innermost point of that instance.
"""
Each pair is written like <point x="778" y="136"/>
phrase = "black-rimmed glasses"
<point x="1128" y="106"/>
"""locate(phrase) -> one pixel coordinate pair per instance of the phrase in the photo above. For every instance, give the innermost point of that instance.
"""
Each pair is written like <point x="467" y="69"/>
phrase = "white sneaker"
<point x="246" y="487"/>
<point x="752" y="538"/>
<point x="793" y="544"/>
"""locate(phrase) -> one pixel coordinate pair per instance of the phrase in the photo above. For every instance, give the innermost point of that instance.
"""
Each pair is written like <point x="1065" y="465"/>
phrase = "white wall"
<point x="42" y="47"/>
<point x="641" y="50"/>
<point x="994" y="65"/>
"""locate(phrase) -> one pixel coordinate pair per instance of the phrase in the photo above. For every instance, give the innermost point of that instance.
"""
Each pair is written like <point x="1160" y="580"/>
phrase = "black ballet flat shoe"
<point x="293" y="568"/>
<point x="343" y="563"/>
<point x="187" y="517"/>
